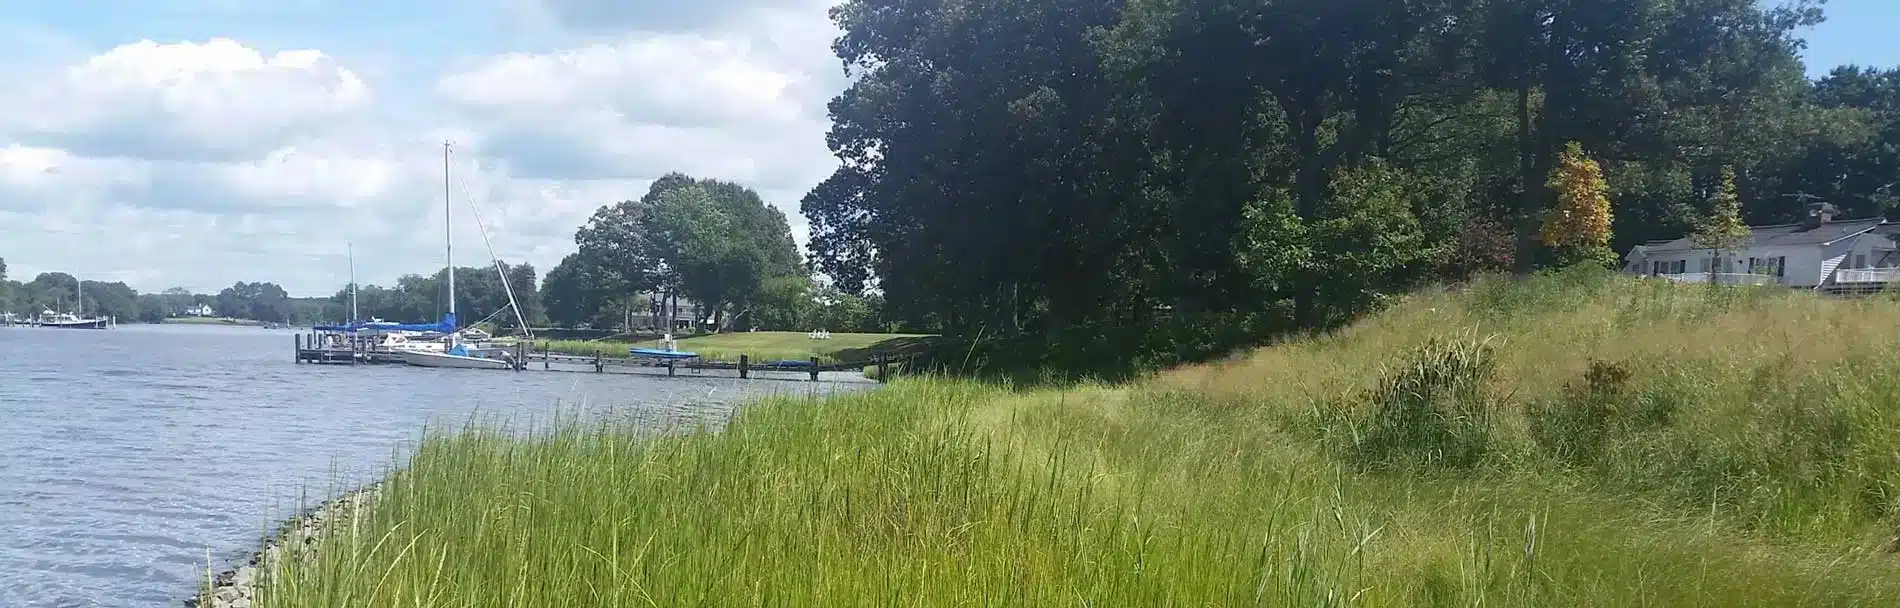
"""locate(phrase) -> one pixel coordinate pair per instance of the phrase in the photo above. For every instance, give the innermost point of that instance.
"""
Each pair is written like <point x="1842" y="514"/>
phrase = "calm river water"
<point x="129" y="457"/>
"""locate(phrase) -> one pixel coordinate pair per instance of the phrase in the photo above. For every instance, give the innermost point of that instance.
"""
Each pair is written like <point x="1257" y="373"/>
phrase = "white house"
<point x="1820" y="252"/>
<point x="201" y="310"/>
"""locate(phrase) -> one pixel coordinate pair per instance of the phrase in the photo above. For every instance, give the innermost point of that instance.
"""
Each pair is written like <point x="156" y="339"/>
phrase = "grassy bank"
<point x="759" y="345"/>
<point x="1568" y="441"/>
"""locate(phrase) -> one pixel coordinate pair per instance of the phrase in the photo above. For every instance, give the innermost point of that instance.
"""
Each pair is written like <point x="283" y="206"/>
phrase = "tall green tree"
<point x="572" y="293"/>
<point x="713" y="241"/>
<point x="1721" y="229"/>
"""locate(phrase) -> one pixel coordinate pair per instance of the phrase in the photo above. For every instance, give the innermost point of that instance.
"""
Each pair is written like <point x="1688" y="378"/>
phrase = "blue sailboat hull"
<point x="660" y="354"/>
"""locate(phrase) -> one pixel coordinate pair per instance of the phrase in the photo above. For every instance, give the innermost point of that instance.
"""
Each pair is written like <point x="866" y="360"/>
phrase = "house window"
<point x="1860" y="260"/>
<point x="1656" y="268"/>
<point x="1781" y="265"/>
<point x="1769" y="266"/>
<point x="1702" y="265"/>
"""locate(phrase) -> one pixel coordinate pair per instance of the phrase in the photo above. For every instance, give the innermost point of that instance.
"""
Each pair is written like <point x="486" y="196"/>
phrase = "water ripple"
<point x="128" y="455"/>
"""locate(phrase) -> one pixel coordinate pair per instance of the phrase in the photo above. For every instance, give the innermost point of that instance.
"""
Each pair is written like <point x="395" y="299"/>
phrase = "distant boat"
<point x="64" y="320"/>
<point x="658" y="353"/>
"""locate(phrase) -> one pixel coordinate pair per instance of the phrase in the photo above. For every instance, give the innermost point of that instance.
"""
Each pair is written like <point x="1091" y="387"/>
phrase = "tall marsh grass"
<point x="1572" y="440"/>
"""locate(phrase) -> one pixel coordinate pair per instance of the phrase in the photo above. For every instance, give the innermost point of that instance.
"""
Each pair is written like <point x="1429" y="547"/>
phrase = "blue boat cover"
<point x="446" y="325"/>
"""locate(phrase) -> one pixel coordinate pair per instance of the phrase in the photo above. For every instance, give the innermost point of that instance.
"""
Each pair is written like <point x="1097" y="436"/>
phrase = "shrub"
<point x="1434" y="411"/>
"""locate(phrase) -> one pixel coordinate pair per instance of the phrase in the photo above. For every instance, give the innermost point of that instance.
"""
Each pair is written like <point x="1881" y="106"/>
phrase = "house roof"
<point x="1783" y="235"/>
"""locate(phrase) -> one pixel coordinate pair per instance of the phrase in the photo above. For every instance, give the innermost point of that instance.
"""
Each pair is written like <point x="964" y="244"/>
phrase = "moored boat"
<point x="66" y="320"/>
<point x="458" y="358"/>
<point x="657" y="353"/>
<point x="458" y="353"/>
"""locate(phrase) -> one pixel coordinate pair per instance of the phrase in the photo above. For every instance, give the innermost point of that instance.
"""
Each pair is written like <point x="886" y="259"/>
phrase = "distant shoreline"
<point x="212" y="321"/>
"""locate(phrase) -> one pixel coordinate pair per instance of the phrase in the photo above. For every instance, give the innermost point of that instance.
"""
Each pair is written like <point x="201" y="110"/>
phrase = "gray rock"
<point x="234" y="588"/>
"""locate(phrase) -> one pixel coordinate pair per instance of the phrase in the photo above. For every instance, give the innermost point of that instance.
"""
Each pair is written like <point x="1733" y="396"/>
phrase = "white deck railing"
<point x="1722" y="278"/>
<point x="1866" y="275"/>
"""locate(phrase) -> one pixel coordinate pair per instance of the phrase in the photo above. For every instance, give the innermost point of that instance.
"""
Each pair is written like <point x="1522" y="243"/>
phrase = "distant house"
<point x="1820" y="253"/>
<point x="201" y="310"/>
<point x="682" y="315"/>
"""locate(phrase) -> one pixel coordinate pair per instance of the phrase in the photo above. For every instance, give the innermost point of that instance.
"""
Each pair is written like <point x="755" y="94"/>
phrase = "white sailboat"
<point x="66" y="320"/>
<point x="456" y="353"/>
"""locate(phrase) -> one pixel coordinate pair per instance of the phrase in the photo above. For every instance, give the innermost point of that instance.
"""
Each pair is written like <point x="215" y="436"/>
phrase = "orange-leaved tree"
<point x="1579" y="226"/>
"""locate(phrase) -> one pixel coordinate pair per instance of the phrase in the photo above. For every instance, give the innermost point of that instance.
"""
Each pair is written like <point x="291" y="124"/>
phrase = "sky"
<point x="197" y="143"/>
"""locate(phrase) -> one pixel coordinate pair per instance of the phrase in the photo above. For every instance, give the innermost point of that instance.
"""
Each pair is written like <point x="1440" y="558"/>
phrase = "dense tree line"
<point x="1065" y="166"/>
<point x="61" y="292"/>
<point x="479" y="295"/>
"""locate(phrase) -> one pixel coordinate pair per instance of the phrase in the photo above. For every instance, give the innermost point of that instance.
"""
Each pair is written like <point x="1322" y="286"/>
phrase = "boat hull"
<point x="660" y="354"/>
<point x="82" y="324"/>
<point x="428" y="359"/>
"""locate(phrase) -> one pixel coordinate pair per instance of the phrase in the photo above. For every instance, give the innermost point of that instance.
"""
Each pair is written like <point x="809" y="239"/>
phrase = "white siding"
<point x="1867" y="251"/>
<point x="1804" y="263"/>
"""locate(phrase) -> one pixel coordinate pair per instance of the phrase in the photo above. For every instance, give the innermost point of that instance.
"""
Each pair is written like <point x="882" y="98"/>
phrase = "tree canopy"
<point x="715" y="242"/>
<point x="1048" y="167"/>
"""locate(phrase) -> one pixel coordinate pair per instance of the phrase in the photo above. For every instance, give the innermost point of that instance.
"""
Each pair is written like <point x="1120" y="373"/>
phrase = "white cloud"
<point x="650" y="15"/>
<point x="678" y="79"/>
<point x="215" y="100"/>
<point x="202" y="163"/>
<point x="744" y="104"/>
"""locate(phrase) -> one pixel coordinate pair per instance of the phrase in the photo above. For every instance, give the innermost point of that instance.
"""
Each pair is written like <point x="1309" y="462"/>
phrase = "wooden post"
<point x="883" y="369"/>
<point x="299" y="351"/>
<point x="521" y="356"/>
<point x="599" y="365"/>
<point x="745" y="366"/>
<point x="669" y="367"/>
<point x="546" y="359"/>
<point x="814" y="368"/>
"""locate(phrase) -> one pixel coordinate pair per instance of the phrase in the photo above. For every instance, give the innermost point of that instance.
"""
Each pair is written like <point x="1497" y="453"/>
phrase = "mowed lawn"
<point x="762" y="346"/>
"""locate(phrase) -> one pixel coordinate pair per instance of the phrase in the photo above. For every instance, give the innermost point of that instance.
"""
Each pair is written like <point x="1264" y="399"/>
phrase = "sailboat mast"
<point x="352" y="252"/>
<point x="79" y="295"/>
<point x="448" y="239"/>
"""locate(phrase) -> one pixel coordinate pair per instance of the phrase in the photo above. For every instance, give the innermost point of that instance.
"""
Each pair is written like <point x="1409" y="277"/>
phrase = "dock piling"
<point x="883" y="369"/>
<point x="814" y="368"/>
<point x="745" y="367"/>
<point x="299" y="351"/>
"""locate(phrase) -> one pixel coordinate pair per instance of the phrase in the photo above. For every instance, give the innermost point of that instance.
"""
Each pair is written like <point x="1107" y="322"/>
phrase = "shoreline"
<point x="236" y="587"/>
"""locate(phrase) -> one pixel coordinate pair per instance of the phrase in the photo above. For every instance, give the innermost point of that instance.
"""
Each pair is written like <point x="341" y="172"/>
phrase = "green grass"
<point x="1567" y="441"/>
<point x="760" y="346"/>
<point x="210" y="321"/>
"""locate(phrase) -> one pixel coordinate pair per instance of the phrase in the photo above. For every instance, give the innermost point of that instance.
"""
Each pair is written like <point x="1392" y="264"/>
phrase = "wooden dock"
<point x="338" y="349"/>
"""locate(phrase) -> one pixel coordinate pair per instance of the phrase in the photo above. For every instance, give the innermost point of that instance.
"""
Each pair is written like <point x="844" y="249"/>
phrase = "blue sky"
<point x="197" y="143"/>
<point x="1857" y="31"/>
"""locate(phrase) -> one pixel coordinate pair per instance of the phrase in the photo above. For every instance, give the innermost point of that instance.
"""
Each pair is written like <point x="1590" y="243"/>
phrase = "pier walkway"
<point x="337" y="349"/>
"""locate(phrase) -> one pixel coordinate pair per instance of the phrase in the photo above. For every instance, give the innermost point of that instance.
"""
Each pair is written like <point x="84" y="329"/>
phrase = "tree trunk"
<point x="1530" y="199"/>
<point x="1306" y="205"/>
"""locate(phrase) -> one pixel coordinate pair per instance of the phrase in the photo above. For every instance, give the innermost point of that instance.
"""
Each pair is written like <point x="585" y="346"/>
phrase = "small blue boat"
<point x="657" y="353"/>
